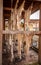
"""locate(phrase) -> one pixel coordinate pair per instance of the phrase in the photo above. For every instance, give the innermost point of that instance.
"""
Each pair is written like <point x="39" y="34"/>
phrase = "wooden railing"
<point x="23" y="32"/>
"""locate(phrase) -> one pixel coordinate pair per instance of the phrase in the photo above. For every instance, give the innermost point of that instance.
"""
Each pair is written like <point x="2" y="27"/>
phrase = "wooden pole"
<point x="19" y="45"/>
<point x="1" y="28"/>
<point x="19" y="28"/>
<point x="40" y="36"/>
<point x="27" y="37"/>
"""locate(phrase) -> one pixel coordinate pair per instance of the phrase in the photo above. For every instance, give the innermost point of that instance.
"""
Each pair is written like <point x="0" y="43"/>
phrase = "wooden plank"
<point x="24" y="32"/>
<point x="8" y="15"/>
<point x="7" y="8"/>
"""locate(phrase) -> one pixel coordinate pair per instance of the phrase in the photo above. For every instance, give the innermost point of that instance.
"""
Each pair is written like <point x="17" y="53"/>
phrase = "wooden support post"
<point x="28" y="42"/>
<point x="40" y="37"/>
<point x="11" y="45"/>
<point x="25" y="48"/>
<point x="27" y="37"/>
<point x="27" y="45"/>
<point x="1" y="27"/>
<point x="19" y="45"/>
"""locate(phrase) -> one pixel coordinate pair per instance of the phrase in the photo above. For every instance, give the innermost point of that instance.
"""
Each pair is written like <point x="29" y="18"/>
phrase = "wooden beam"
<point x="38" y="0"/>
<point x="35" y="0"/>
<point x="35" y="7"/>
<point x="34" y="21"/>
<point x="7" y="8"/>
<point x="8" y="15"/>
<point x="23" y="32"/>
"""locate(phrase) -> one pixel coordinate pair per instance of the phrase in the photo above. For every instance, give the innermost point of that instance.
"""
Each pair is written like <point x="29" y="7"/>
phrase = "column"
<point x="1" y="24"/>
<point x="19" y="45"/>
<point x="40" y="37"/>
<point x="28" y="42"/>
<point x="27" y="37"/>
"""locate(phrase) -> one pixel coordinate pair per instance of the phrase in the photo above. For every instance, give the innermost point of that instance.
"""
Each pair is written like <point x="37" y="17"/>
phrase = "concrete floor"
<point x="31" y="58"/>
